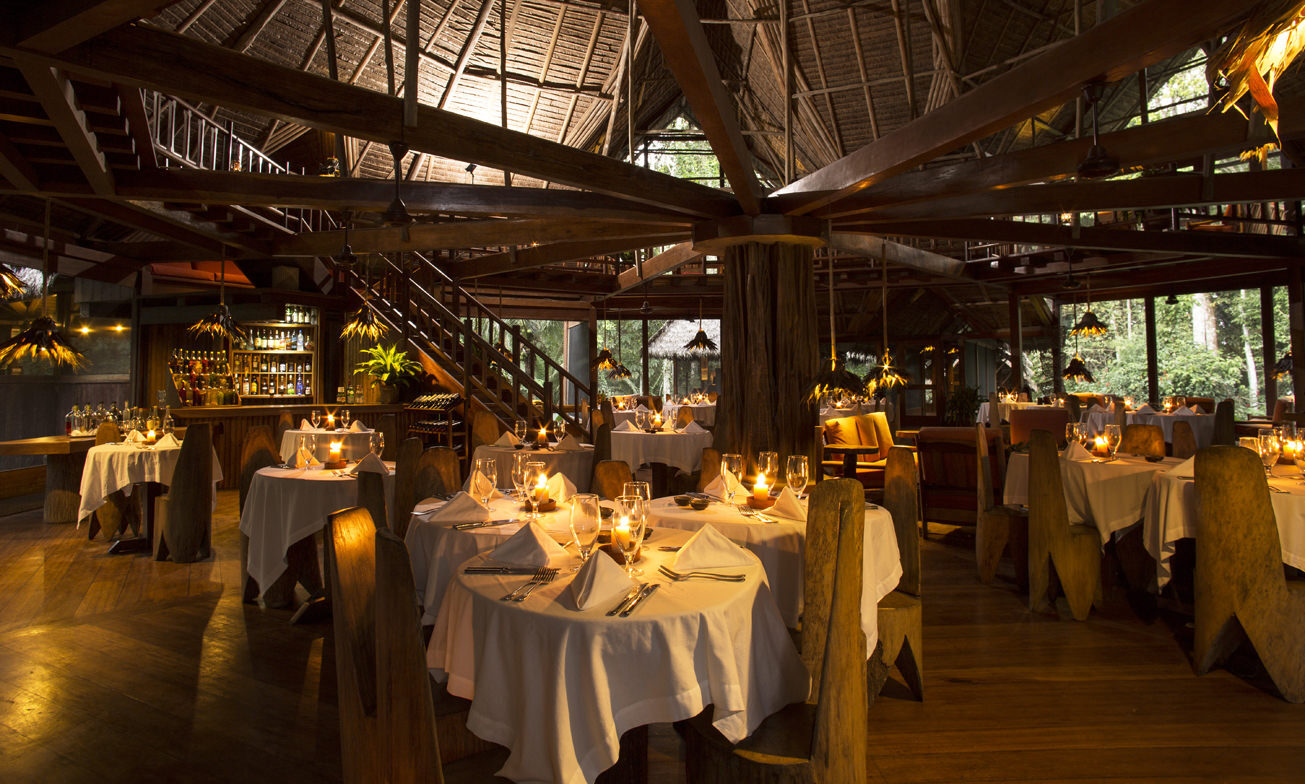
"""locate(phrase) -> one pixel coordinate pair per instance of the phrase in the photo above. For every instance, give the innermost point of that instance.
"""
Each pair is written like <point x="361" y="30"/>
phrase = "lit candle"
<point x="1128" y="402"/>
<point x="542" y="440"/>
<point x="657" y="421"/>
<point x="335" y="450"/>
<point x="330" y="421"/>
<point x="150" y="437"/>
<point x="760" y="490"/>
<point x="621" y="533"/>
<point x="1101" y="446"/>
<point x="541" y="491"/>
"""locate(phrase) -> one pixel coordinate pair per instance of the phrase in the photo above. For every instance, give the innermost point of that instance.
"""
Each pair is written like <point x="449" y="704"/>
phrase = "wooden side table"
<point x="64" y="459"/>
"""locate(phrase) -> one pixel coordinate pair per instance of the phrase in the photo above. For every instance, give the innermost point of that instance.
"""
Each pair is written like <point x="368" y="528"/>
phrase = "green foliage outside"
<point x="549" y="335"/>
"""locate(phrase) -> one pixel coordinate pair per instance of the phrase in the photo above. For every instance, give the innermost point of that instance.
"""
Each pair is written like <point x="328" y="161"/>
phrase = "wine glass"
<point x="1113" y="437"/>
<point x="315" y="418"/>
<point x="641" y="489"/>
<point x="521" y="430"/>
<point x="1268" y="448"/>
<point x="586" y="520"/>
<point x="641" y="419"/>
<point x="487" y="469"/>
<point x="627" y="533"/>
<point x="343" y="423"/>
<point x="378" y="443"/>
<point x="1071" y="432"/>
<point x="519" y="462"/>
<point x="536" y="474"/>
<point x="310" y="441"/>
<point x="731" y="469"/>
<point x="768" y="464"/>
<point x="796" y="474"/>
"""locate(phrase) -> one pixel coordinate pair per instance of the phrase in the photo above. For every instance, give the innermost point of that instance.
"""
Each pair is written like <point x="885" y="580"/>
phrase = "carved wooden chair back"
<point x="438" y="473"/>
<point x="351" y="569"/>
<point x="1145" y="440"/>
<point x="1184" y="444"/>
<point x="187" y="524"/>
<point x="371" y="496"/>
<point x="710" y="467"/>
<point x="610" y="477"/>
<point x="405" y="483"/>
<point x="902" y="500"/>
<point x="1225" y="430"/>
<point x="286" y="421"/>
<point x="258" y="451"/>
<point x="683" y="416"/>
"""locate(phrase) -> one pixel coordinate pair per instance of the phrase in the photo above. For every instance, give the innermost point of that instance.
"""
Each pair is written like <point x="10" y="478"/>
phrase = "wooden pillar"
<point x="1296" y="326"/>
<point x="643" y="322"/>
<point x="768" y="352"/>
<point x="1152" y="354"/>
<point x="1057" y="351"/>
<point x="1269" y="342"/>
<point x="1016" y="343"/>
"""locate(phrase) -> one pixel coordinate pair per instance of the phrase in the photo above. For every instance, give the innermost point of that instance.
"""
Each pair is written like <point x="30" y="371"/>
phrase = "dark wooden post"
<point x="1016" y="343"/>
<point x="1057" y="351"/>
<point x="644" y="352"/>
<point x="1269" y="341"/>
<point x="1152" y="369"/>
<point x="768" y="351"/>
<point x="1296" y="321"/>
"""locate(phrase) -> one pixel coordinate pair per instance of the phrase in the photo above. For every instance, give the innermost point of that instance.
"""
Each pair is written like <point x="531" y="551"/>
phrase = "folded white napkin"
<point x="461" y="508"/>
<point x="168" y="441"/>
<point x="370" y="463"/>
<point x="625" y="427"/>
<point x="304" y="424"/>
<point x="507" y="439"/>
<point x="1075" y="451"/>
<point x="481" y="487"/>
<point x="599" y="581"/>
<point x="716" y="488"/>
<point x="1184" y="410"/>
<point x="304" y="458"/>
<point x="1144" y="409"/>
<point x="530" y="546"/>
<point x="709" y="549"/>
<point x="641" y="407"/>
<point x="568" y="443"/>
<point x="1186" y="468"/>
<point x="359" y="427"/>
<point x="788" y="505"/>
<point x="692" y="427"/>
<point x="560" y="488"/>
<point x="134" y="437"/>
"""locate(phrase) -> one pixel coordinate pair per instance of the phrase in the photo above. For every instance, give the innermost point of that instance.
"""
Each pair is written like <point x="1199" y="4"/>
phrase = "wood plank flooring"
<point x="120" y="668"/>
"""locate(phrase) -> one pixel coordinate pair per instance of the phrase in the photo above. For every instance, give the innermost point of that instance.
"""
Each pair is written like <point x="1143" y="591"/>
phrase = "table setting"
<point x="650" y="439"/>
<point x="318" y="433"/>
<point x="120" y="466"/>
<point x="565" y="455"/>
<point x="1004" y="406"/>
<point x="1096" y="418"/>
<point x="704" y="412"/>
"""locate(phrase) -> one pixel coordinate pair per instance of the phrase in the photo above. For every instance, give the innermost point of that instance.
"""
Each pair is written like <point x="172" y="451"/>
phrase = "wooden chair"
<point x="1072" y="551"/>
<point x="1145" y="440"/>
<point x="405" y="483"/>
<point x="350" y="542"/>
<point x="438" y="473"/>
<point x="485" y="428"/>
<point x="656" y="402"/>
<point x="1075" y="410"/>
<point x="1240" y="589"/>
<point x="710" y="467"/>
<point x="371" y="495"/>
<point x="1225" y="430"/>
<point x="257" y="452"/>
<point x="857" y="446"/>
<point x="183" y="519"/>
<point x="1184" y="444"/>
<point x="994" y="410"/>
<point x="1001" y="528"/>
<point x="712" y="397"/>
<point x="286" y="421"/>
<point x="389" y="428"/>
<point x="1206" y="404"/>
<point x="603" y="443"/>
<point x="683" y="416"/>
<point x="609" y="478"/>
<point x="117" y="513"/>
<point x="901" y="616"/>
<point x="948" y="487"/>
<point x="1024" y="421"/>
<point x="823" y="739"/>
<point x="1121" y="415"/>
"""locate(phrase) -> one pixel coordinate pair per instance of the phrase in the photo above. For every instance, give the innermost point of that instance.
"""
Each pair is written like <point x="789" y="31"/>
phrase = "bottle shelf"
<point x="272" y="397"/>
<point x="268" y="351"/>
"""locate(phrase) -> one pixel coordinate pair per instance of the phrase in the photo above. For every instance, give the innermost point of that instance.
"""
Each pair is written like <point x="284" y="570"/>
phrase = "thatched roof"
<point x="669" y="341"/>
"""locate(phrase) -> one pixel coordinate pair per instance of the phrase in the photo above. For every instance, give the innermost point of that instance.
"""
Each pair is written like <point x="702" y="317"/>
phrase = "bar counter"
<point x="231" y="423"/>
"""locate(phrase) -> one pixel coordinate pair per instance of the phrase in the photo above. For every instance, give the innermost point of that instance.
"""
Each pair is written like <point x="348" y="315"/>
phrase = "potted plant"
<point x="391" y="369"/>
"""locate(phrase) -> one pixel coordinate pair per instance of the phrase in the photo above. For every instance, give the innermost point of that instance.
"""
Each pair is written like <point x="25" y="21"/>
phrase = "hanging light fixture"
<point x="700" y="343"/>
<point x="1098" y="162"/>
<point x="362" y="323"/>
<point x="1089" y="326"/>
<point x="884" y="375"/>
<point x="1172" y="299"/>
<point x="619" y="370"/>
<point x="835" y="379"/>
<point x="1077" y="370"/>
<point x="1284" y="366"/>
<point x="346" y="258"/>
<point x="42" y="339"/>
<point x="10" y="283"/>
<point x="604" y="360"/>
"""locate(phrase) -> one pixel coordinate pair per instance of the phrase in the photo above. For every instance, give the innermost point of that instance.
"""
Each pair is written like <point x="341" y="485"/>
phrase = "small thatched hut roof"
<point x="669" y="341"/>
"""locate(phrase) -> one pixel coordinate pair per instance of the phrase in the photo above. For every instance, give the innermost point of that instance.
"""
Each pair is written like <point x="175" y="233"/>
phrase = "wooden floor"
<point x="120" y="668"/>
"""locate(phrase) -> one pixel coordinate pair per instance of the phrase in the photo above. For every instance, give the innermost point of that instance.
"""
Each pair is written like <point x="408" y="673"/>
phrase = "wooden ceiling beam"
<point x="667" y="261"/>
<point x="873" y="247"/>
<point x="55" y="92"/>
<point x="1165" y="274"/>
<point x="155" y="219"/>
<point x="15" y="167"/>
<point x="1194" y="242"/>
<point x="460" y="234"/>
<point x="692" y="62"/>
<point x="182" y="66"/>
<point x="553" y="253"/>
<point x="1140" y="36"/>
<point x="51" y="26"/>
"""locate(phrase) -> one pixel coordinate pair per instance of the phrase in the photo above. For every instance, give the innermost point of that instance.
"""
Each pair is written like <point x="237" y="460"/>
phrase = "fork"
<point x="549" y="576"/>
<point x="538" y="575"/>
<point x="677" y="576"/>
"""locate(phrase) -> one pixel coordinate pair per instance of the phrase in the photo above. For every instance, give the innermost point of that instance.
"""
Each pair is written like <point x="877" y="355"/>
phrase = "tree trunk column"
<point x="768" y="353"/>
<point x="1152" y="354"/>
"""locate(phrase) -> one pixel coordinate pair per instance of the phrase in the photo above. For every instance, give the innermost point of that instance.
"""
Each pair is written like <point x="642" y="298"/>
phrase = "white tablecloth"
<point x="352" y="447"/>
<point x="681" y="450"/>
<point x="703" y="413"/>
<point x="781" y="545"/>
<point x="1202" y="424"/>
<point x="1004" y="409"/>
<point x="577" y="465"/>
<point x="1171" y="515"/>
<point x="1109" y="495"/>
<point x="436" y="549"/>
<point x="285" y="505"/>
<point x="559" y="687"/>
<point x="113" y="467"/>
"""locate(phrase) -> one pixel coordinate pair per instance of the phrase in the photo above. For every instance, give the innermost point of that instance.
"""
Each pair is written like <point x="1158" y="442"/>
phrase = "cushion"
<point x="865" y="427"/>
<point x="843" y="430"/>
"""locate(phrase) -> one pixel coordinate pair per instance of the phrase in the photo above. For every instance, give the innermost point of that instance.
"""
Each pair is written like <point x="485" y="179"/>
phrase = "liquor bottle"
<point x="299" y="385"/>
<point x="70" y="421"/>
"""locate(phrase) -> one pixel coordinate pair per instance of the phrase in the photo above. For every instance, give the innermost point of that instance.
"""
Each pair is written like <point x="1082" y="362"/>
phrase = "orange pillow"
<point x="865" y="426"/>
<point x="841" y="431"/>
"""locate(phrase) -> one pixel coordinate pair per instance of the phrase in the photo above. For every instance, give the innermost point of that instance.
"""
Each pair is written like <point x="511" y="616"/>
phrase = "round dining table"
<point x="559" y="686"/>
<point x="575" y="464"/>
<point x="353" y="445"/>
<point x="286" y="505"/>
<point x="668" y="447"/>
<point x="703" y="413"/>
<point x="120" y="466"/>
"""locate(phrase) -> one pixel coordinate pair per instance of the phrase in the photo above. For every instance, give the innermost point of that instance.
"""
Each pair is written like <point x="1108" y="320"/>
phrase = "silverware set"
<point x="633" y="599"/>
<point x="485" y="524"/>
<point x="748" y="511"/>
<point x="678" y="576"/>
<point x="543" y="576"/>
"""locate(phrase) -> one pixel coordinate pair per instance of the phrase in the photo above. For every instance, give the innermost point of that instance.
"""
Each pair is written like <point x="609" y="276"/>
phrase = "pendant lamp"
<point x="700" y="343"/>
<point x="10" y="284"/>
<point x="835" y="379"/>
<point x="1089" y="326"/>
<point x="346" y="258"/>
<point x="884" y="375"/>
<point x="362" y="323"/>
<point x="619" y="371"/>
<point x="1283" y="367"/>
<point x="1077" y="370"/>
<point x="604" y="360"/>
<point x="42" y="339"/>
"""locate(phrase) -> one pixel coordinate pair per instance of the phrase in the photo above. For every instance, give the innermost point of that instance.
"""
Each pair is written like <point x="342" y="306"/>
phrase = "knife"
<point x="499" y="570"/>
<point x="647" y="591"/>
<point x="485" y="524"/>
<point x="629" y="597"/>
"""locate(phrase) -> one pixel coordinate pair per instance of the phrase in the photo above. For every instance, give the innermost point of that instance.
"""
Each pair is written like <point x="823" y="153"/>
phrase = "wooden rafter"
<point x="904" y="51"/>
<point x="256" y="26"/>
<point x="51" y="26"/>
<point x="15" y="167"/>
<point x="1142" y="35"/>
<point x="873" y="247"/>
<point x="668" y="260"/>
<point x="582" y="75"/>
<point x="553" y="253"/>
<point x="55" y="92"/>
<point x="855" y="32"/>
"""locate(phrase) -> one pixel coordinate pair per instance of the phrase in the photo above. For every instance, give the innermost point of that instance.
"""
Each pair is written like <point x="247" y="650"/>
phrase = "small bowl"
<point x="699" y="503"/>
<point x="606" y="511"/>
<point x="683" y="500"/>
<point x="519" y="446"/>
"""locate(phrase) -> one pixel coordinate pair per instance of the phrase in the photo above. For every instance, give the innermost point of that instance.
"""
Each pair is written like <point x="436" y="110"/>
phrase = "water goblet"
<point x="1071" y="432"/>
<point x="1268" y="449"/>
<point x="586" y="521"/>
<point x="768" y="464"/>
<point x="536" y="477"/>
<point x="731" y="469"/>
<point x="343" y="423"/>
<point x="521" y="430"/>
<point x="519" y="462"/>
<point x="315" y="418"/>
<point x="487" y="470"/>
<point x="377" y="443"/>
<point x="641" y="489"/>
<point x="627" y="532"/>
<point x="797" y="474"/>
<point x="1113" y="437"/>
